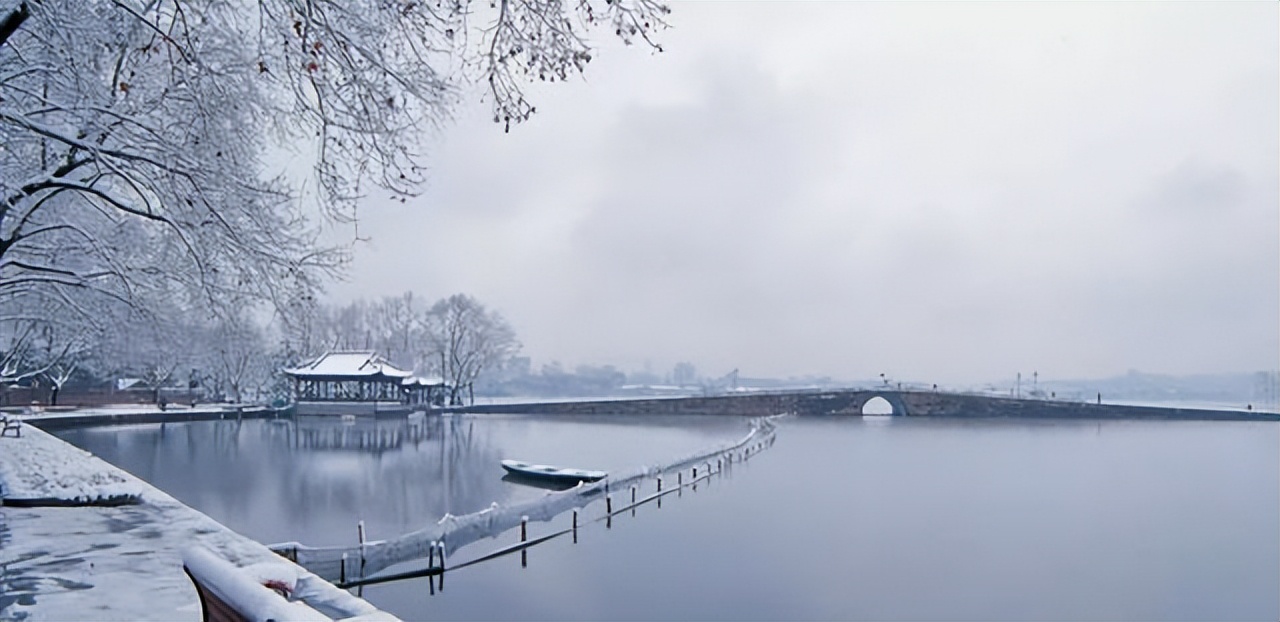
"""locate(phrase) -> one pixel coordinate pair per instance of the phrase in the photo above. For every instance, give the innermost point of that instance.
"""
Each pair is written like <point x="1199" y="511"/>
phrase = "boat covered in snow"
<point x="551" y="473"/>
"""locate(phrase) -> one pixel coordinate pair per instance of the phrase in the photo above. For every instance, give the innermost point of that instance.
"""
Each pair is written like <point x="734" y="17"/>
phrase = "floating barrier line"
<point x="454" y="532"/>
<point x="433" y="570"/>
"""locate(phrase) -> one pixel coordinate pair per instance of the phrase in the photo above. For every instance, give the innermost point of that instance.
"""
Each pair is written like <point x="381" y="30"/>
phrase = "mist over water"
<point x="843" y="518"/>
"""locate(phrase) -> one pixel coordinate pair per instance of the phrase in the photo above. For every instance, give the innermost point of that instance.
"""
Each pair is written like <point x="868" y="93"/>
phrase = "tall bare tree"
<point x="237" y="357"/>
<point x="463" y="339"/>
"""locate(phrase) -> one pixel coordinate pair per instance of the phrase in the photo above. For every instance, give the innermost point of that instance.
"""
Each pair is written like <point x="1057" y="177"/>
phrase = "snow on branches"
<point x="137" y="138"/>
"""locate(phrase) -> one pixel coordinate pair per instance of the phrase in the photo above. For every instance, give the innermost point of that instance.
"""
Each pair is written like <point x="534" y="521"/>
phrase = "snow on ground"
<point x="117" y="563"/>
<point x="39" y="466"/>
<point x="116" y="409"/>
<point x="178" y="411"/>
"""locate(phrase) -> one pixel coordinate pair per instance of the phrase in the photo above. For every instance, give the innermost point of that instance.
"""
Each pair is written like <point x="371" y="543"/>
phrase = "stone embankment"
<point x="56" y="419"/>
<point x="92" y="561"/>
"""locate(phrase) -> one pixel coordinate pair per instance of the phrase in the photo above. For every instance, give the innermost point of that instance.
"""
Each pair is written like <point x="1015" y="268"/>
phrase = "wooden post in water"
<point x="633" y="499"/>
<point x="524" y="537"/>
<point x="441" y="545"/>
<point x="431" y="556"/>
<point x="575" y="525"/>
<point x="608" y="505"/>
<point x="342" y="571"/>
<point x="360" y="536"/>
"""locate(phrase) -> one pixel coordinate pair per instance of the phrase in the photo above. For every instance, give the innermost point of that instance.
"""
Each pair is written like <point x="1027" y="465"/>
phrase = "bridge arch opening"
<point x="877" y="406"/>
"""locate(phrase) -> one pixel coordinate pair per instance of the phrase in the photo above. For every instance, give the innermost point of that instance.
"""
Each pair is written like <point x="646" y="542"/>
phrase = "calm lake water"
<point x="902" y="519"/>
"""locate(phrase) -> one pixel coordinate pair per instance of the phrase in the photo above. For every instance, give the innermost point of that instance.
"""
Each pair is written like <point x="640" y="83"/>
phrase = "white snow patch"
<point x="121" y="563"/>
<point x="240" y="588"/>
<point x="39" y="466"/>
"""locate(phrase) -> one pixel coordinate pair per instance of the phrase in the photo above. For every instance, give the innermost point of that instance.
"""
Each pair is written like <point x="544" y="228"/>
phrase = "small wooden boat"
<point x="551" y="473"/>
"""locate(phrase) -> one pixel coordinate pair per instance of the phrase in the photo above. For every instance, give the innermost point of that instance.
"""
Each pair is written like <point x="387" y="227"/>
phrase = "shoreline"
<point x="123" y="562"/>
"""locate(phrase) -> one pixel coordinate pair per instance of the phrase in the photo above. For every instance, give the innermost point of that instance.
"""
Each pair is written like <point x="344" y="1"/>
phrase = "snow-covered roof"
<point x="428" y="381"/>
<point x="126" y="383"/>
<point x="362" y="364"/>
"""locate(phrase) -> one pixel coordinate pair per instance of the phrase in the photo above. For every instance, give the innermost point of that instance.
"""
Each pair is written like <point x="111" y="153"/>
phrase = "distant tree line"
<point x="238" y="357"/>
<point x="518" y="378"/>
<point x="456" y="338"/>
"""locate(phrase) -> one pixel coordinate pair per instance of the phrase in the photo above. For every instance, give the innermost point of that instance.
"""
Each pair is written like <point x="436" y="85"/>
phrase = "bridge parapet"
<point x="851" y="401"/>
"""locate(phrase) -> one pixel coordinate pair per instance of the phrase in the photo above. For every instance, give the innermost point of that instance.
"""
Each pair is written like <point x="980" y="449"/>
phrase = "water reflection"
<point x="293" y="480"/>
<point x="843" y="519"/>
<point x="538" y="482"/>
<point x="311" y="479"/>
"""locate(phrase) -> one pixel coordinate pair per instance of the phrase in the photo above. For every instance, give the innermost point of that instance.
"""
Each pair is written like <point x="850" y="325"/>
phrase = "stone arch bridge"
<point x="850" y="402"/>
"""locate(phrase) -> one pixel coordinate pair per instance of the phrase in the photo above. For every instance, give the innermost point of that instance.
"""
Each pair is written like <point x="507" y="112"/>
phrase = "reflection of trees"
<point x="411" y="471"/>
<point x="312" y="480"/>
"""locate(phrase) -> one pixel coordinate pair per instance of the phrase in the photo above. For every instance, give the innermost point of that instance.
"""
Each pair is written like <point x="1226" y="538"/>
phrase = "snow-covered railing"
<point x="344" y="563"/>
<point x="222" y="587"/>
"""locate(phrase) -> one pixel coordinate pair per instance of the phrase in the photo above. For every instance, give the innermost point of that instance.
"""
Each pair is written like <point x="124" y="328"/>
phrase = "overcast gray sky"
<point x="942" y="192"/>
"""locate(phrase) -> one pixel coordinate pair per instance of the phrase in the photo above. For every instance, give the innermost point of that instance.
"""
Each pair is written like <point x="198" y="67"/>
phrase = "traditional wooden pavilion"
<point x="359" y="382"/>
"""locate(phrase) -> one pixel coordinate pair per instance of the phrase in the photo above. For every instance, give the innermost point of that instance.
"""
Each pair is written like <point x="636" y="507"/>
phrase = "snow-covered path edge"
<point x="148" y="584"/>
<point x="37" y="467"/>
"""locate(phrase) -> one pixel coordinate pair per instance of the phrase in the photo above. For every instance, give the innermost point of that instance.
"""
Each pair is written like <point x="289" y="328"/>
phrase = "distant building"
<point x="339" y="383"/>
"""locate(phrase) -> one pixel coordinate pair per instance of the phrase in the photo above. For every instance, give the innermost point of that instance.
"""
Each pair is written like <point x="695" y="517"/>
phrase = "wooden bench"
<point x="11" y="423"/>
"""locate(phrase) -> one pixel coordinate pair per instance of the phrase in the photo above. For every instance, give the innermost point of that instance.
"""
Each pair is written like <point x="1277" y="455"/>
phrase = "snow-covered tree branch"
<point x="141" y="142"/>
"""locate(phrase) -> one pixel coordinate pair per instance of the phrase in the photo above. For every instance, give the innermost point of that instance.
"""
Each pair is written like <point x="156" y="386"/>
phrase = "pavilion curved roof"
<point x="356" y="365"/>
<point x="427" y="381"/>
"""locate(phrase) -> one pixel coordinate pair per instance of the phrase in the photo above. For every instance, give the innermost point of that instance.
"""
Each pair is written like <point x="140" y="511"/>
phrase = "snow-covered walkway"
<point x="120" y="414"/>
<point x="36" y="467"/>
<point x="115" y="563"/>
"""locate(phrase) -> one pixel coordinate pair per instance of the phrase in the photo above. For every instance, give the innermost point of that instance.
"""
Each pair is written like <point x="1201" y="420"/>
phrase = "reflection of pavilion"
<point x="341" y="383"/>
<point x="363" y="434"/>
